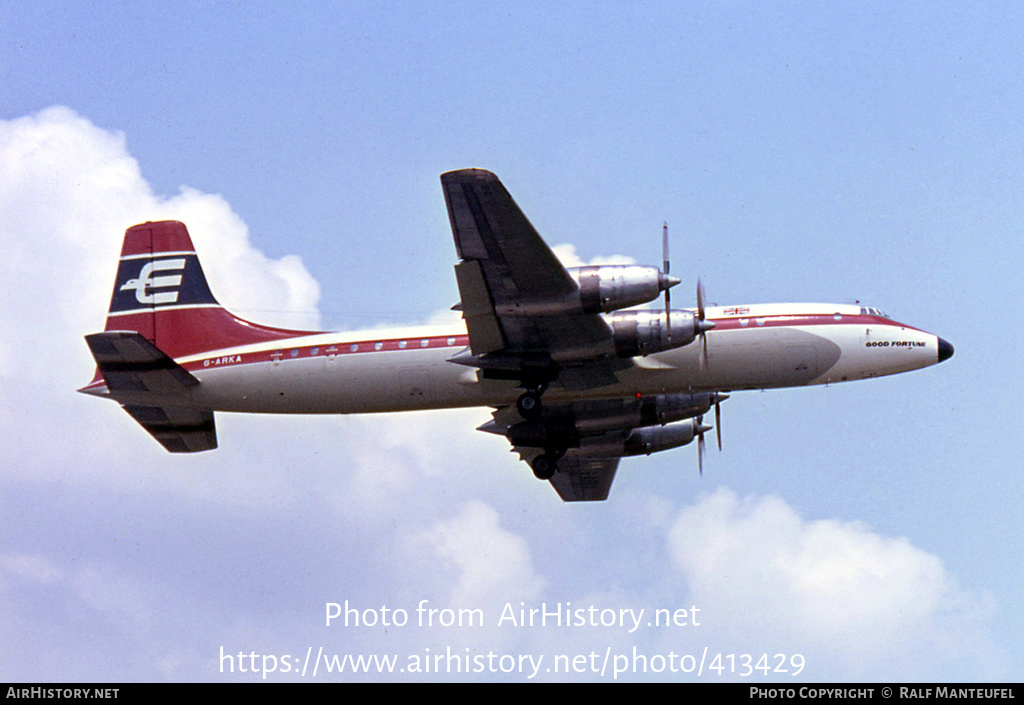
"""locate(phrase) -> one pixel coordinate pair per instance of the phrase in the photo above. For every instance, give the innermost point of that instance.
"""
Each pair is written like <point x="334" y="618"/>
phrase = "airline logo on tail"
<point x="146" y="281"/>
<point x="158" y="280"/>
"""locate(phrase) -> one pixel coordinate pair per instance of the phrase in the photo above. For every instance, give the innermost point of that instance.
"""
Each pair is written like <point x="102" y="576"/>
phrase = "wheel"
<point x="529" y="405"/>
<point x="544" y="467"/>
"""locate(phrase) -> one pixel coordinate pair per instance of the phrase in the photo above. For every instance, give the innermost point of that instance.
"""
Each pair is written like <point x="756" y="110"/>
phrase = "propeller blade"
<point x="668" y="317"/>
<point x="700" y="429"/>
<point x="703" y="325"/>
<point x="664" y="248"/>
<point x="718" y="423"/>
<point x="700" y="300"/>
<point x="664" y="273"/>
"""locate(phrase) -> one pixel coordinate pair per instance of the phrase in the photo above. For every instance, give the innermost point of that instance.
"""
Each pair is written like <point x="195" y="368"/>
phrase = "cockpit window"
<point x="865" y="311"/>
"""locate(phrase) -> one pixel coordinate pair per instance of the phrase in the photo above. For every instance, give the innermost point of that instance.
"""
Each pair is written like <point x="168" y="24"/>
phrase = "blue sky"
<point x="838" y="152"/>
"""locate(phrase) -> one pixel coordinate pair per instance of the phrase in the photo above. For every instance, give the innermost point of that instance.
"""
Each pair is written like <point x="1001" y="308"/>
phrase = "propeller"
<point x="702" y="429"/>
<point x="703" y="325"/>
<point x="718" y="418"/>
<point x="700" y="448"/>
<point x="665" y="274"/>
<point x="667" y="282"/>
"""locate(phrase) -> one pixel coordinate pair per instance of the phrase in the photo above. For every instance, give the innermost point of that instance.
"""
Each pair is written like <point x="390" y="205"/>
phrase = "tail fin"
<point x="162" y="309"/>
<point x="161" y="293"/>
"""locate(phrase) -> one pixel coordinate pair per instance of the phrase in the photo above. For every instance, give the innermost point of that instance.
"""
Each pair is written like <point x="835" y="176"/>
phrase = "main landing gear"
<point x="530" y="408"/>
<point x="535" y="381"/>
<point x="545" y="465"/>
<point x="529" y="405"/>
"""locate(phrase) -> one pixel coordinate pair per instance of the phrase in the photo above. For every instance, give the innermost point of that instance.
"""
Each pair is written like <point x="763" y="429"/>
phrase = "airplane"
<point x="577" y="377"/>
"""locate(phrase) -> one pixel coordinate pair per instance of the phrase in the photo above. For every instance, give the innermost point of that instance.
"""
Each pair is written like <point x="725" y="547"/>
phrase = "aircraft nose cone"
<point x="945" y="350"/>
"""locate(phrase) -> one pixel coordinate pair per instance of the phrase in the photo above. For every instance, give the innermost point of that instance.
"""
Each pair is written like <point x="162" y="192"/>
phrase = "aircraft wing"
<point x="579" y="479"/>
<point x="147" y="382"/>
<point x="512" y="286"/>
<point x="584" y="479"/>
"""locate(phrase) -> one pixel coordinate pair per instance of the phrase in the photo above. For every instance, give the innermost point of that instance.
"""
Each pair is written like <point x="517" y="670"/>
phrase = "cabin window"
<point x="354" y="348"/>
<point x="378" y="345"/>
<point x="402" y="344"/>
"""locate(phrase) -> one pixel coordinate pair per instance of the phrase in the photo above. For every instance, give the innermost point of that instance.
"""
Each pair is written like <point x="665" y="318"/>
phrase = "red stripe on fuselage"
<point x="330" y="349"/>
<point x="816" y="319"/>
<point x="218" y="358"/>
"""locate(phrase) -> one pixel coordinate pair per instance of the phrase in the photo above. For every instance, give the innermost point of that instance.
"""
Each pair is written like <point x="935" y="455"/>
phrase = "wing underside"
<point x="584" y="479"/>
<point x="578" y="478"/>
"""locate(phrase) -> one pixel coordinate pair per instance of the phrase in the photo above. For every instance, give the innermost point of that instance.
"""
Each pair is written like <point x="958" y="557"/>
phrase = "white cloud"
<point x="823" y="587"/>
<point x="103" y="597"/>
<point x="34" y="568"/>
<point x="567" y="255"/>
<point x="487" y="564"/>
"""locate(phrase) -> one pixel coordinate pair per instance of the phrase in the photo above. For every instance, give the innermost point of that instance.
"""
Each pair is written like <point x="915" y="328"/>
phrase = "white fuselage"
<point x="751" y="347"/>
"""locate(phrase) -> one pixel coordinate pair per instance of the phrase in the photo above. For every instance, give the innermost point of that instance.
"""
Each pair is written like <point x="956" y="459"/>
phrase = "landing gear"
<point x="529" y="405"/>
<point x="544" y="467"/>
<point x="534" y="378"/>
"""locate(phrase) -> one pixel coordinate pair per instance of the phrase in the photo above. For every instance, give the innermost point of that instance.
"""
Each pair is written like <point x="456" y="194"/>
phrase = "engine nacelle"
<point x="653" y="439"/>
<point x="640" y="441"/>
<point x="601" y="416"/>
<point x="610" y="287"/>
<point x="644" y="332"/>
<point x="565" y="427"/>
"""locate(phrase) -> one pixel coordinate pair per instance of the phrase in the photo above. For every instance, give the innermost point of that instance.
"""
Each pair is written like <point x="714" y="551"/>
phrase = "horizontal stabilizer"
<point x="154" y="390"/>
<point x="178" y="429"/>
<point x="131" y="365"/>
